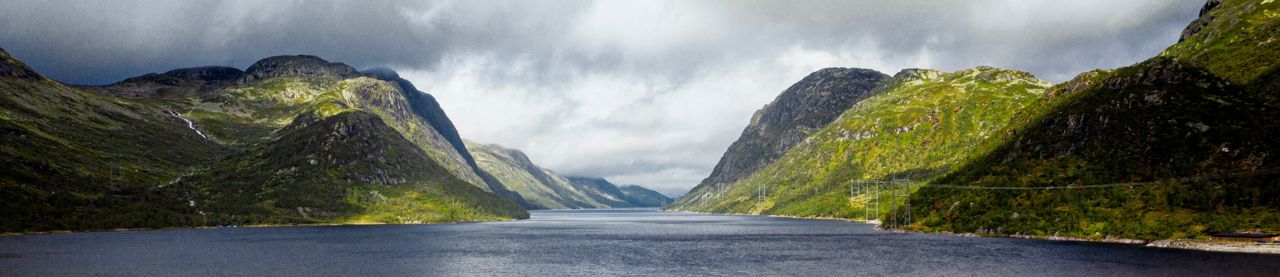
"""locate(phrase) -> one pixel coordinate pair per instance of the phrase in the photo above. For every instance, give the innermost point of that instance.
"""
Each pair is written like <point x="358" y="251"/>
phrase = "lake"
<point x="643" y="242"/>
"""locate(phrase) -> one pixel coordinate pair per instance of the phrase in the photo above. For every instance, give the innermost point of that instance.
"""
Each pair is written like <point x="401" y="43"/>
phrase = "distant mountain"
<point x="215" y="145"/>
<point x="801" y="109"/>
<point x="917" y="125"/>
<point x="541" y="188"/>
<point x="618" y="197"/>
<point x="642" y="197"/>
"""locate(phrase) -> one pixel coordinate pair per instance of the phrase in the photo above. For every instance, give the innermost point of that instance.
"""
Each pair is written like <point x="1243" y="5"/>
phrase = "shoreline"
<point x="1185" y="244"/>
<point x="123" y="230"/>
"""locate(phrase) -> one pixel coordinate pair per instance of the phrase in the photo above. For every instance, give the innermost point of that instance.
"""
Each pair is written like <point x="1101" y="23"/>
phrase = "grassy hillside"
<point x="1195" y="128"/>
<point x="922" y="123"/>
<point x="71" y="159"/>
<point x="797" y="112"/>
<point x="349" y="167"/>
<point x="1158" y="121"/>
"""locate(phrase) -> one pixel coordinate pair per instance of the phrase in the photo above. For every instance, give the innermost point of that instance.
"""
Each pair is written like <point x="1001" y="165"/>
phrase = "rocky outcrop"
<point x="1202" y="22"/>
<point x="301" y="66"/>
<point x="428" y="108"/>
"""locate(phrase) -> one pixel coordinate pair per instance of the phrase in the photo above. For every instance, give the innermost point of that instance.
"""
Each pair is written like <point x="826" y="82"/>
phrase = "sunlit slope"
<point x="796" y="113"/>
<point x="918" y="126"/>
<point x="348" y="167"/>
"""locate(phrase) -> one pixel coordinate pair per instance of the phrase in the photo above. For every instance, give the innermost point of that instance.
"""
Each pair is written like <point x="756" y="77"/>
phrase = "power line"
<point x="1268" y="171"/>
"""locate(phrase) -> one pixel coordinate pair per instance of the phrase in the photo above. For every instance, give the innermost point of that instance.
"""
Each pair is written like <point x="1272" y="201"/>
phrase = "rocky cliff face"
<point x="803" y="108"/>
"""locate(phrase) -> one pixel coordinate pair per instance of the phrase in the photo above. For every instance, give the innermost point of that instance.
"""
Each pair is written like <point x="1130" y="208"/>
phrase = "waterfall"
<point x="190" y="124"/>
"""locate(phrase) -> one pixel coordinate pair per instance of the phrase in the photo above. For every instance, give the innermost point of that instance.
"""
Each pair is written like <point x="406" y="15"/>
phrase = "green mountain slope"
<point x="1195" y="128"/>
<point x="806" y="106"/>
<point x="71" y="159"/>
<point x="243" y="109"/>
<point x="139" y="152"/>
<point x="918" y="125"/>
<point x="349" y="167"/>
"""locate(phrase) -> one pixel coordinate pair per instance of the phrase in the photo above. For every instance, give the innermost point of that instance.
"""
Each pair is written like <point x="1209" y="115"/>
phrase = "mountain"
<point x="625" y="197"/>
<point x="1189" y="135"/>
<point x="71" y="159"/>
<point x="216" y="145"/>
<point x="917" y="125"/>
<point x="642" y="197"/>
<point x="801" y="109"/>
<point x="541" y="188"/>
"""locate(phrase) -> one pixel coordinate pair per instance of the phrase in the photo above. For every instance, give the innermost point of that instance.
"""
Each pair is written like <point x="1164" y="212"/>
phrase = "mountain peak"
<point x="911" y="74"/>
<point x="207" y="73"/>
<point x="12" y="67"/>
<point x="297" y="66"/>
<point x="1002" y="75"/>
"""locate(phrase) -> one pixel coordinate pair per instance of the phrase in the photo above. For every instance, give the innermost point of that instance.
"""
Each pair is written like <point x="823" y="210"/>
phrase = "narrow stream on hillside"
<point x="190" y="124"/>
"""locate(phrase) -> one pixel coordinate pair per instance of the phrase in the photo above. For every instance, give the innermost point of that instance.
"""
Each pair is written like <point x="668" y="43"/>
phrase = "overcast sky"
<point x="640" y="92"/>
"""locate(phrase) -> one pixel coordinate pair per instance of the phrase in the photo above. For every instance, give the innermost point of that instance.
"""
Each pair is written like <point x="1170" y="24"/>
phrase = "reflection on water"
<point x="593" y="243"/>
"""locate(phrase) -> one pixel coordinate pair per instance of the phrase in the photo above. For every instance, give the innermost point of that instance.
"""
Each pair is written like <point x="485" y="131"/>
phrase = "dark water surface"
<point x="597" y="242"/>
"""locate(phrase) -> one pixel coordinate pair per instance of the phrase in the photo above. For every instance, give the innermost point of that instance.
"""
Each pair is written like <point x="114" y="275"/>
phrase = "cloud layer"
<point x="646" y="92"/>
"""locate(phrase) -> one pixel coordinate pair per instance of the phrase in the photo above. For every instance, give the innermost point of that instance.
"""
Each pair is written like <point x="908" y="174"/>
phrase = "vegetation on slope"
<point x="71" y="159"/>
<point x="349" y="167"/>
<point x="918" y="125"/>
<point x="806" y="106"/>
<point x="1161" y="121"/>
<point x="1195" y="128"/>
<point x="80" y="160"/>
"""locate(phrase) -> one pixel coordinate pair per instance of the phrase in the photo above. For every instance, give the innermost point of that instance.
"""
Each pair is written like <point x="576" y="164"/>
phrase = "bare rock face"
<point x="303" y="66"/>
<point x="806" y="106"/>
<point x="1202" y="22"/>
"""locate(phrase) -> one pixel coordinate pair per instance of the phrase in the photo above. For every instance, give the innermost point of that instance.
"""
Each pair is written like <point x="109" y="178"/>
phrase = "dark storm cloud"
<point x="648" y="92"/>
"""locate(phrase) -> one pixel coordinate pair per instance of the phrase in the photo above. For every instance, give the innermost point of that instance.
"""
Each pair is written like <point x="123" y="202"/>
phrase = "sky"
<point x="639" y="92"/>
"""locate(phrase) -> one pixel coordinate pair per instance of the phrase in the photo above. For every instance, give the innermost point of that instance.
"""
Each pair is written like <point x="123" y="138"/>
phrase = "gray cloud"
<point x="647" y="92"/>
